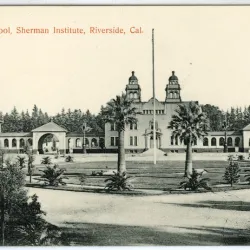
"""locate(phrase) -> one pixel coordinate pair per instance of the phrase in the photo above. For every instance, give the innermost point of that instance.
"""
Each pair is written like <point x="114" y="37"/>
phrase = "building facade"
<point x="51" y="138"/>
<point x="139" y="137"/>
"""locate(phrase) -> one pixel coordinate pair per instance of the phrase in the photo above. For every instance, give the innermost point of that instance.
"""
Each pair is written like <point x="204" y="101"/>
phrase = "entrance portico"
<point x="39" y="134"/>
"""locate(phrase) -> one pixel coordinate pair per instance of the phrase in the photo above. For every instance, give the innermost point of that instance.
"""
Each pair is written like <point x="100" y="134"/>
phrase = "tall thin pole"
<point x="153" y="75"/>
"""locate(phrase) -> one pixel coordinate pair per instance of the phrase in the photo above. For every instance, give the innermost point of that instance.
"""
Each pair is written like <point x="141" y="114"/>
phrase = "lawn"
<point x="164" y="175"/>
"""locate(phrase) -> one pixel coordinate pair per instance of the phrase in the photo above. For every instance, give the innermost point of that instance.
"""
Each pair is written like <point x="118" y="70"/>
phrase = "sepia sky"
<point x="207" y="47"/>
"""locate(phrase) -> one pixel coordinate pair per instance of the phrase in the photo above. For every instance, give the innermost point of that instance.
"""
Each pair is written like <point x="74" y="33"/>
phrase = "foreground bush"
<point x="22" y="220"/>
<point x="195" y="182"/>
<point x="53" y="176"/>
<point x="21" y="161"/>
<point x="46" y="160"/>
<point x="118" y="182"/>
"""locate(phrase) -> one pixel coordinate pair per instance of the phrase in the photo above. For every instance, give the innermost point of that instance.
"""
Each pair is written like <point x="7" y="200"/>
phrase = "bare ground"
<point x="115" y="220"/>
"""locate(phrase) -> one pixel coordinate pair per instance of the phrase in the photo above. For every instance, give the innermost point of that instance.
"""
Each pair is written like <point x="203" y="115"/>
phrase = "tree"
<point x="31" y="166"/>
<point x="189" y="124"/>
<point x="120" y="112"/>
<point x="232" y="171"/>
<point x="53" y="175"/>
<point x="22" y="221"/>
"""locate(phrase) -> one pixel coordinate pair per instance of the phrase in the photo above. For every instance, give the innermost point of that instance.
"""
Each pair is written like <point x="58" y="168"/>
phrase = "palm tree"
<point x="120" y="112"/>
<point x="189" y="124"/>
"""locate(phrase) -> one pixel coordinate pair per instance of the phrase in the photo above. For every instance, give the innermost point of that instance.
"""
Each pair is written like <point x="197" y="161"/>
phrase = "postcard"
<point x="124" y="125"/>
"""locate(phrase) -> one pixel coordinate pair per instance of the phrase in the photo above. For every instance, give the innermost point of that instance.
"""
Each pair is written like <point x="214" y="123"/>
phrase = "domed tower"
<point x="173" y="90"/>
<point x="133" y="89"/>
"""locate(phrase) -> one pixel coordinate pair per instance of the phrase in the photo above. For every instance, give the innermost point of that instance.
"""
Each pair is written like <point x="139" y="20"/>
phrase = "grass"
<point x="164" y="176"/>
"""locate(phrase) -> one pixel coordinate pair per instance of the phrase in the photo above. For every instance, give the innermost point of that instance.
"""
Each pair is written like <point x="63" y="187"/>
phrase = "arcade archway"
<point x="48" y="144"/>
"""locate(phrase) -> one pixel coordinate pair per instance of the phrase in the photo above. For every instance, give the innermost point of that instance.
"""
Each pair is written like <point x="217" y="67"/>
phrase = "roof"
<point x="173" y="77"/>
<point x="16" y="134"/>
<point x="247" y="128"/>
<point x="222" y="133"/>
<point x="49" y="127"/>
<point x="133" y="77"/>
<point x="87" y="134"/>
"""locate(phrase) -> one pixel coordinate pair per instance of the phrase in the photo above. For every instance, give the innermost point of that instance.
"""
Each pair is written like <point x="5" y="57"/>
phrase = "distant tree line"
<point x="72" y="120"/>
<point x="236" y="117"/>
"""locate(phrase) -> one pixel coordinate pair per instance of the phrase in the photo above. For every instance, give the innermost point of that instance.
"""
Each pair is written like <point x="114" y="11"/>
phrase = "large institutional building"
<point x="138" y="137"/>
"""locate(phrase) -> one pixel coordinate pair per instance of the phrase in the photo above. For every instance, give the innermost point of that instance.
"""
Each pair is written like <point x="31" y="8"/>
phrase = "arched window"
<point x="237" y="141"/>
<point x="176" y="140"/>
<point x="205" y="141"/>
<point x="213" y="141"/>
<point x="6" y="143"/>
<point x="135" y="95"/>
<point x="69" y="142"/>
<point x="22" y="143"/>
<point x="131" y="95"/>
<point x="229" y="141"/>
<point x="78" y="143"/>
<point x="171" y="95"/>
<point x="176" y="95"/>
<point x="14" y="143"/>
<point x="30" y="142"/>
<point x="87" y="142"/>
<point x="194" y="141"/>
<point x="94" y="142"/>
<point x="172" y="140"/>
<point x="221" y="142"/>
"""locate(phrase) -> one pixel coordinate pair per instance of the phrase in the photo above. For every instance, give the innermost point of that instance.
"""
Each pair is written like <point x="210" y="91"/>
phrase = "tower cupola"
<point x="173" y="89"/>
<point x="133" y="90"/>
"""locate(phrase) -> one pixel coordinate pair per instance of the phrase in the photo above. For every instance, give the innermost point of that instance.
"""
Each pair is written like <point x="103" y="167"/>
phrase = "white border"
<point x="124" y="2"/>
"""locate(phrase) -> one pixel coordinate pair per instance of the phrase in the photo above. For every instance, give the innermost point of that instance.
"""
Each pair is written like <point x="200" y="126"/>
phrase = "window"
<point x="112" y="126"/>
<point x="135" y="140"/>
<point x="94" y="142"/>
<point x="135" y="126"/>
<point x="237" y="141"/>
<point x="30" y="142"/>
<point x="213" y="141"/>
<point x="176" y="140"/>
<point x="114" y="141"/>
<point x="131" y="140"/>
<point x="221" y="142"/>
<point x="86" y="142"/>
<point x="172" y="140"/>
<point x="14" y="143"/>
<point x="78" y="143"/>
<point x="205" y="141"/>
<point x="229" y="141"/>
<point x="194" y="141"/>
<point x="22" y="143"/>
<point x="6" y="143"/>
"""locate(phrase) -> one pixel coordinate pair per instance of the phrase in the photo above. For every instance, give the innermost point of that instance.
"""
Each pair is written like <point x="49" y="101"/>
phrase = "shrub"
<point x="118" y="182"/>
<point x="247" y="175"/>
<point x="241" y="158"/>
<point x="82" y="179"/>
<point x="21" y="161"/>
<point x="93" y="173"/>
<point x="231" y="175"/>
<point x="46" y="160"/>
<point x="69" y="158"/>
<point x="195" y="182"/>
<point x="53" y="175"/>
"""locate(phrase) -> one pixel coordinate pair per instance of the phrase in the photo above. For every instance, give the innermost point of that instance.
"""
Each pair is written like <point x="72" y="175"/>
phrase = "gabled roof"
<point x="247" y="128"/>
<point x="49" y="127"/>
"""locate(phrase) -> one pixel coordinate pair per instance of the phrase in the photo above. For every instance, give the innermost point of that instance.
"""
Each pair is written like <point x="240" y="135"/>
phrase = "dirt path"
<point x="193" y="219"/>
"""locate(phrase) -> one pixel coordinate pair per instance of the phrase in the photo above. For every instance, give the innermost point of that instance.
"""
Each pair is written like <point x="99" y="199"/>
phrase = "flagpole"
<point x="153" y="75"/>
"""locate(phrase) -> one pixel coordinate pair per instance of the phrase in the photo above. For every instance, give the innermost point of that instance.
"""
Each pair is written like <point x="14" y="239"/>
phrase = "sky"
<point x="208" y="47"/>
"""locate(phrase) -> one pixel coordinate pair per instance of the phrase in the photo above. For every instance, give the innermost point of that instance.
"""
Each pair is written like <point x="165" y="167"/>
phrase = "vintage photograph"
<point x="124" y="125"/>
